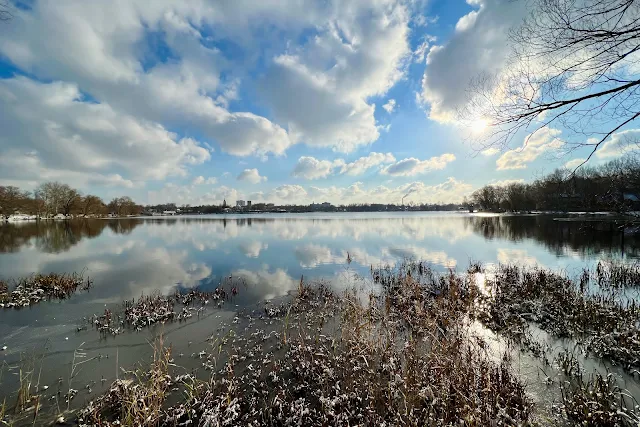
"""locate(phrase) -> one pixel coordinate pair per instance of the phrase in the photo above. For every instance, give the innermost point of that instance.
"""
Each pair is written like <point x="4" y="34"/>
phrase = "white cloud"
<point x="51" y="125"/>
<point x="102" y="49"/>
<point x="390" y="106"/>
<point x="312" y="168"/>
<point x="193" y="195"/>
<point x="572" y="164"/>
<point x="289" y="193"/>
<point x="413" y="166"/>
<point x="449" y="191"/>
<point x="491" y="151"/>
<point x="505" y="182"/>
<point x="420" y="53"/>
<point x="200" y="180"/>
<point x="28" y="171"/>
<point x="361" y="165"/>
<point x="544" y="141"/>
<point x="321" y="89"/>
<point x="423" y="20"/>
<point x="478" y="47"/>
<point x="252" y="176"/>
<point x="620" y="144"/>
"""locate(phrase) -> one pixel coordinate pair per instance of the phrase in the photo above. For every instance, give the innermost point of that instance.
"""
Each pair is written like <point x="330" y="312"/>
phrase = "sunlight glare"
<point x="479" y="125"/>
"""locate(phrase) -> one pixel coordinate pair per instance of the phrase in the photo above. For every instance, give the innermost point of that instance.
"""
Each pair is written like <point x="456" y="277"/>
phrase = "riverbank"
<point x="409" y="346"/>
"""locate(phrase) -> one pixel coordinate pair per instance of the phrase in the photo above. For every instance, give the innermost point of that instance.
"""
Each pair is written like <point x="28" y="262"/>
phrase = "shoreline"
<point x="478" y="321"/>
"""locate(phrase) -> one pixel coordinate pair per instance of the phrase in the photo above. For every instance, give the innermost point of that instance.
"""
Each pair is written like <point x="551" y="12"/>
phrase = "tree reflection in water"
<point x="559" y="235"/>
<point x="583" y="236"/>
<point x="58" y="236"/>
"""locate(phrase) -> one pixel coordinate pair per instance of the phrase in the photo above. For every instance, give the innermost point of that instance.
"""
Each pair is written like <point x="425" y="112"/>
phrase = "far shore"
<point x="628" y="217"/>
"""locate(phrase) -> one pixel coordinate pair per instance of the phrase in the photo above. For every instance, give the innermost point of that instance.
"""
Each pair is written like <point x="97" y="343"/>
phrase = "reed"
<point x="40" y="287"/>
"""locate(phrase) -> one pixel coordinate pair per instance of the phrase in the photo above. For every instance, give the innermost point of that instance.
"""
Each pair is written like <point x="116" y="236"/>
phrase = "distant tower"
<point x="224" y="203"/>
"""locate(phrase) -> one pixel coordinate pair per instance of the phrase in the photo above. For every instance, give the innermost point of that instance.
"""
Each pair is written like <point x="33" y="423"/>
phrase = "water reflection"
<point x="57" y="236"/>
<point x="559" y="235"/>
<point x="269" y="254"/>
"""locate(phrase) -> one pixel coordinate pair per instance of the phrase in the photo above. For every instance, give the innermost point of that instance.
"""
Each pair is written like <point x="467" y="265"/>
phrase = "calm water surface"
<point x="269" y="253"/>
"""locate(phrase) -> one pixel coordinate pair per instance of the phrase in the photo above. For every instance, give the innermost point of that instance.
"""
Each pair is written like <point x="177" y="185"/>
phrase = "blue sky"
<point x="287" y="101"/>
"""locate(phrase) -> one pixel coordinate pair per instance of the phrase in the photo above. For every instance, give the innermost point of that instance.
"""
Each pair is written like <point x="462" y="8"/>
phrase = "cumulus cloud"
<point x="505" y="182"/>
<point x="420" y="52"/>
<point x="289" y="193"/>
<point x="27" y="170"/>
<point x="194" y="195"/>
<point x="491" y="151"/>
<point x="572" y="164"/>
<point x="449" y="191"/>
<point x="57" y="130"/>
<point x="361" y="165"/>
<point x="200" y="180"/>
<point x="620" y="144"/>
<point x="545" y="141"/>
<point x="311" y="168"/>
<point x="102" y="49"/>
<point x="390" y="106"/>
<point x="321" y="88"/>
<point x="252" y="176"/>
<point x="413" y="166"/>
<point x="478" y="47"/>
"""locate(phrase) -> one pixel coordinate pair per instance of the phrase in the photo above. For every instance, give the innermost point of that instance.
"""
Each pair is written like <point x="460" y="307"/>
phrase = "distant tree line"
<point x="614" y="186"/>
<point x="55" y="198"/>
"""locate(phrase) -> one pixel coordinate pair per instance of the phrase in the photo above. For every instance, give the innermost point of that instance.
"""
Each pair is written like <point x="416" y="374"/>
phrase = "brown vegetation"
<point x="34" y="289"/>
<point x="406" y="354"/>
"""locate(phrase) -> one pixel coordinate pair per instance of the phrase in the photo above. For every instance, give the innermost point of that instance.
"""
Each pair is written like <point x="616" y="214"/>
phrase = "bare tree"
<point x="90" y="205"/>
<point x="69" y="197"/>
<point x="12" y="200"/>
<point x="123" y="206"/>
<point x="57" y="197"/>
<point x="574" y="63"/>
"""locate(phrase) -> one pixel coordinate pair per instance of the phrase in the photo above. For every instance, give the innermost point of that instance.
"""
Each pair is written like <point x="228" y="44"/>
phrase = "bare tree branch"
<point x="573" y="64"/>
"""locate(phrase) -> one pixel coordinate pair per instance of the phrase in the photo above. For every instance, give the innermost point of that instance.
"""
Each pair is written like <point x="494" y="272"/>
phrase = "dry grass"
<point x="403" y="356"/>
<point x="39" y="287"/>
<point x="389" y="363"/>
<point x="600" y="319"/>
<point x="617" y="274"/>
<point x="4" y="292"/>
<point x="156" y="308"/>
<point x="597" y="400"/>
<point x="137" y="400"/>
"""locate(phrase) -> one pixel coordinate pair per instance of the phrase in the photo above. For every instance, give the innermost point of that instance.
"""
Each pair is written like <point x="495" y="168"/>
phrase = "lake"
<point x="267" y="254"/>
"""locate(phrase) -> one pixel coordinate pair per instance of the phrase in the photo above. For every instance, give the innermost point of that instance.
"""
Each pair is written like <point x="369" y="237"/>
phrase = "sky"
<point x="280" y="101"/>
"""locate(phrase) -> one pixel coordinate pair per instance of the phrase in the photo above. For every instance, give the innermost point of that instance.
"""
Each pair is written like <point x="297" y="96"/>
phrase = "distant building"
<point x="241" y="203"/>
<point x="169" y="213"/>
<point x="248" y="203"/>
<point x="224" y="203"/>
